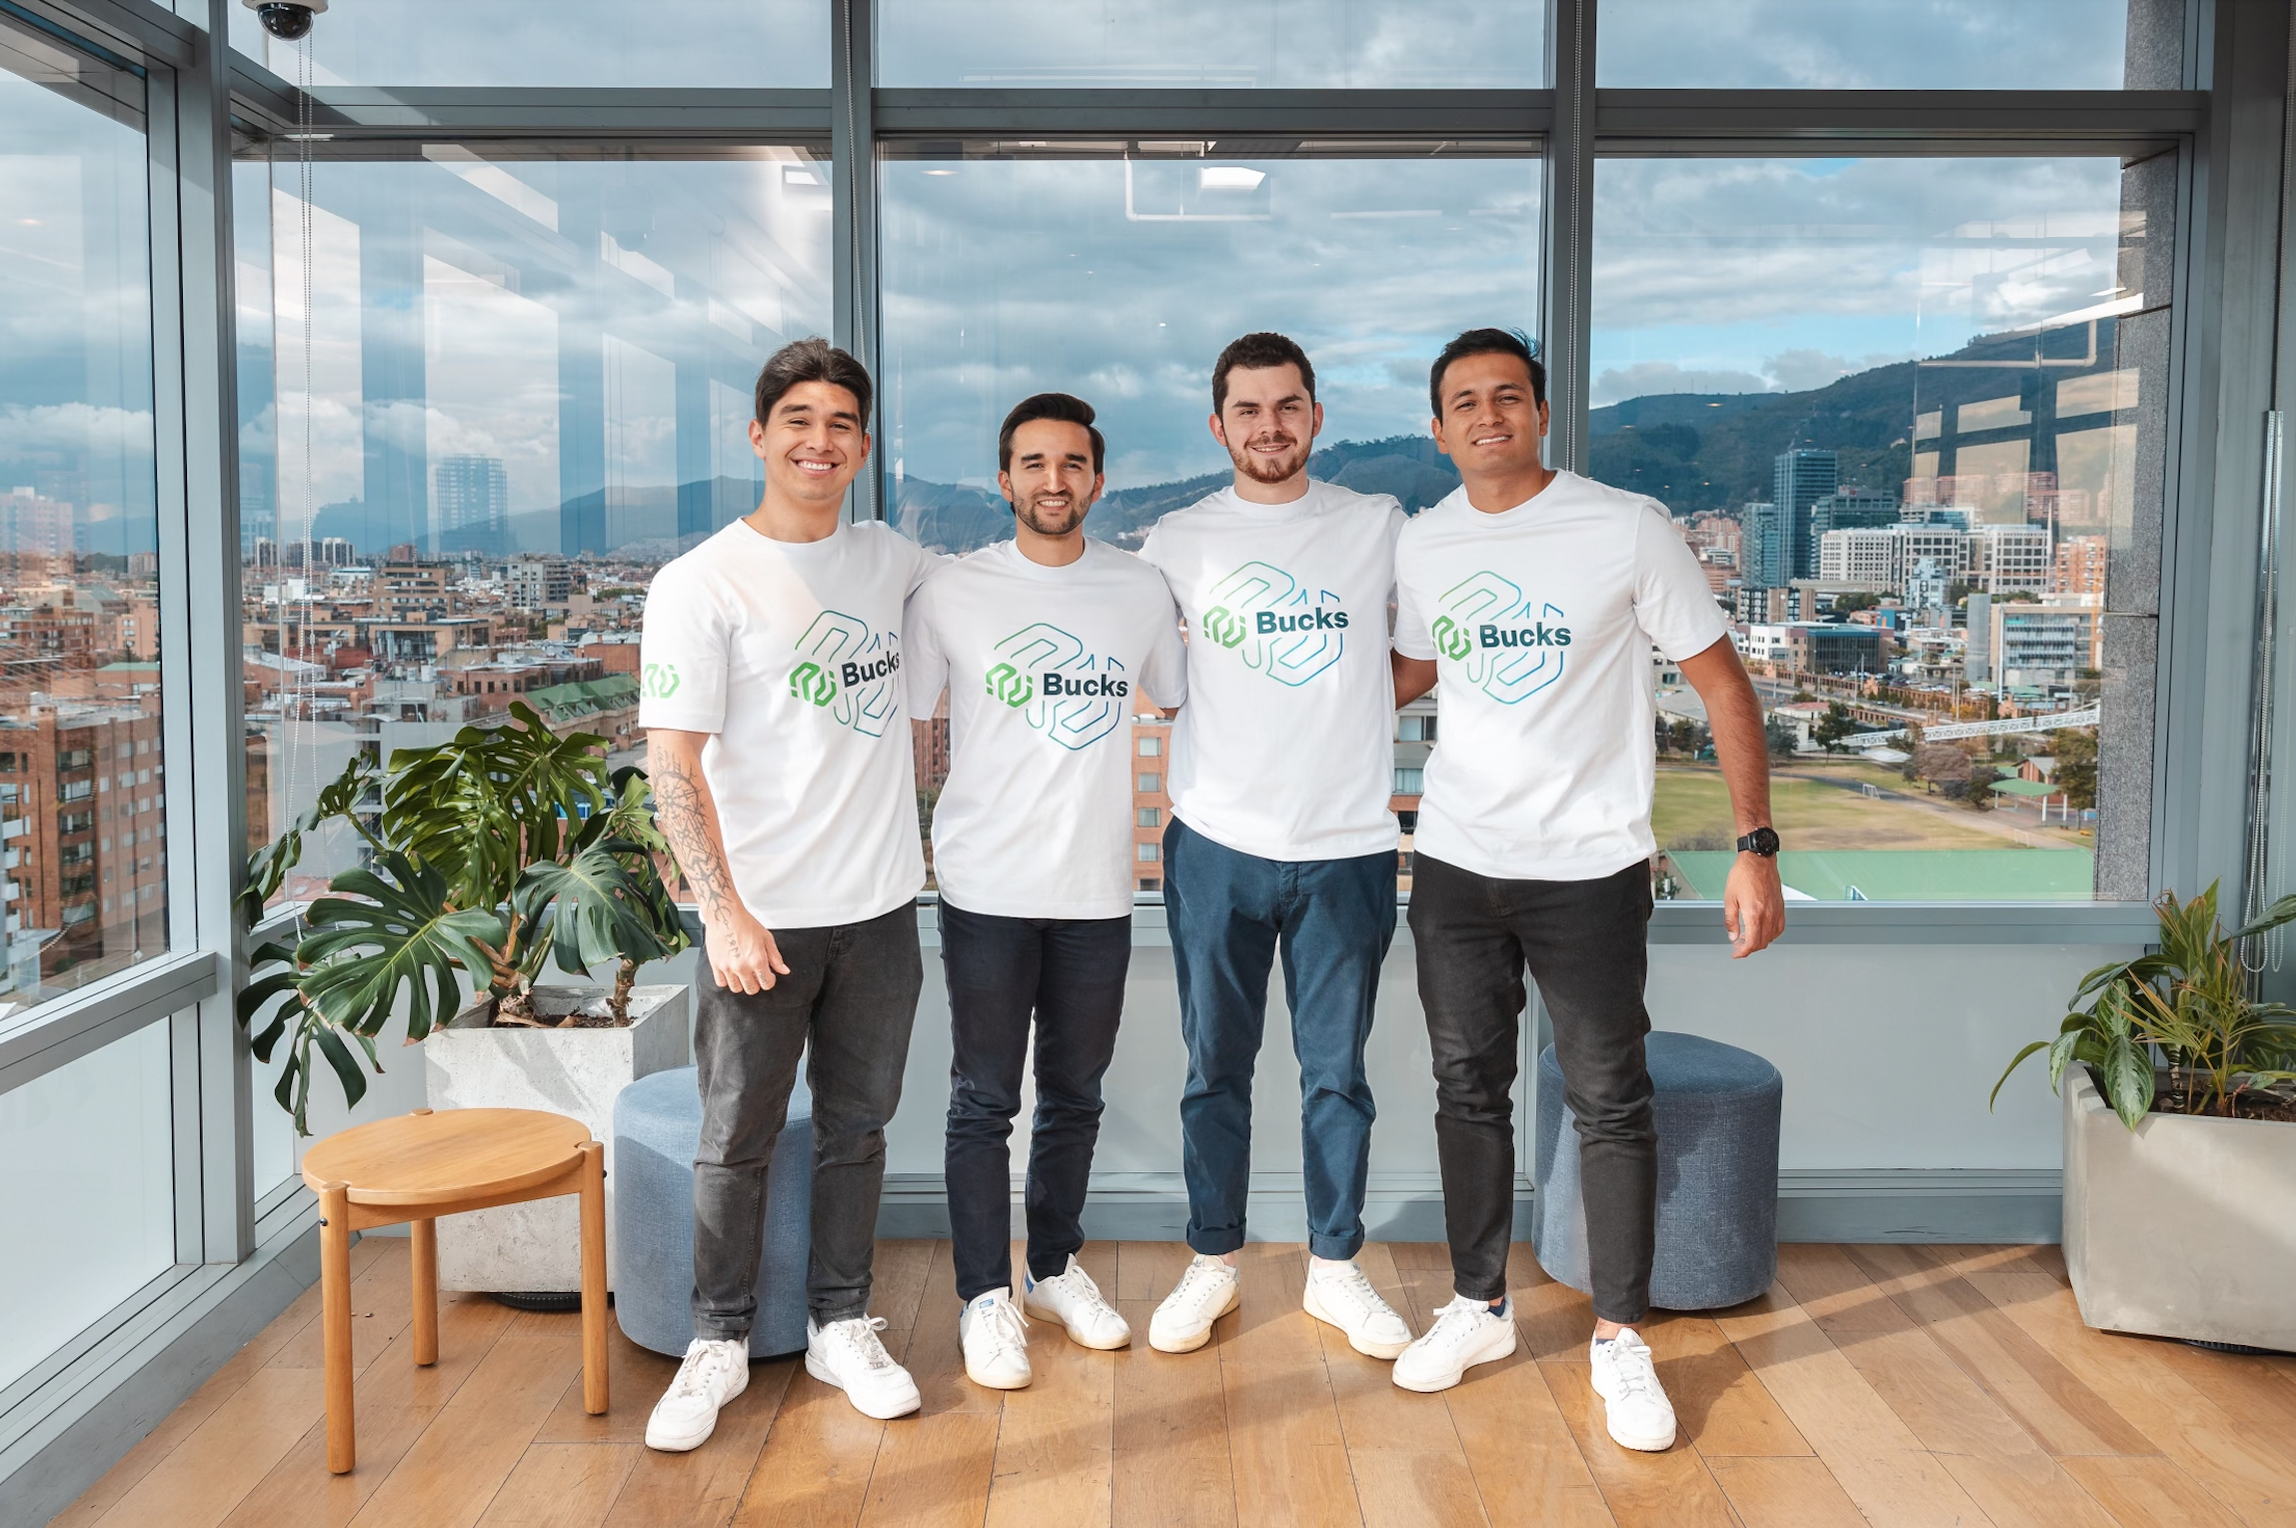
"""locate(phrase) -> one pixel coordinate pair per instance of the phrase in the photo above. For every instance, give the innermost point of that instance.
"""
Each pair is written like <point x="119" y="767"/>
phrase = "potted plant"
<point x="2180" y="1138"/>
<point x="489" y="856"/>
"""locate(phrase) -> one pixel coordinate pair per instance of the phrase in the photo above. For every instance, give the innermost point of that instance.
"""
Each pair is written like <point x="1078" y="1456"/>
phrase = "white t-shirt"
<point x="1045" y="668"/>
<point x="789" y="654"/>
<point x="1286" y="748"/>
<point x="1541" y="619"/>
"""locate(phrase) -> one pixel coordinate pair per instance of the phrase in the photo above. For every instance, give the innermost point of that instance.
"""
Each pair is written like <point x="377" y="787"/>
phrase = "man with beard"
<point x="1048" y="644"/>
<point x="1281" y="837"/>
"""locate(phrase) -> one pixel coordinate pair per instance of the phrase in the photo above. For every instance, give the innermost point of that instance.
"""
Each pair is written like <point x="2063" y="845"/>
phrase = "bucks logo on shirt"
<point x="1063" y="691"/>
<point x="1511" y="646"/>
<point x="1276" y="624"/>
<point x="847" y="669"/>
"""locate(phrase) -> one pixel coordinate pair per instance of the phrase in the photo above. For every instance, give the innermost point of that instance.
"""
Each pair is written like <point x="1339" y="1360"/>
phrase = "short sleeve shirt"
<point x="1540" y="620"/>
<point x="1045" y="669"/>
<point x="1286" y="748"/>
<point x="789" y="655"/>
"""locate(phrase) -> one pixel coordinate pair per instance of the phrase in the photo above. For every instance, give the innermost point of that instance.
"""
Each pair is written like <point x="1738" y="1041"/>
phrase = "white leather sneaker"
<point x="995" y="1340"/>
<point x="1339" y="1295"/>
<point x="1466" y="1333"/>
<point x="848" y="1355"/>
<point x="1205" y="1293"/>
<point x="1640" y="1415"/>
<point x="714" y="1373"/>
<point x="1072" y="1299"/>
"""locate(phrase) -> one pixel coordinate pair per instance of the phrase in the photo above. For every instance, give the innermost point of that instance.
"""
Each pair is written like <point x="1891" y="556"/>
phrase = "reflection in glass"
<point x="1120" y="279"/>
<point x="1899" y="408"/>
<point x="1904" y="45"/>
<point x="493" y="396"/>
<point x="1294" y="44"/>
<point x="692" y="44"/>
<point x="83" y="851"/>
<point x="89" y="1193"/>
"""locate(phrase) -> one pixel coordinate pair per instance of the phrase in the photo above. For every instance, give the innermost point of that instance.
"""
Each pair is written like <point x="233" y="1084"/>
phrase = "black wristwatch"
<point x="1762" y="841"/>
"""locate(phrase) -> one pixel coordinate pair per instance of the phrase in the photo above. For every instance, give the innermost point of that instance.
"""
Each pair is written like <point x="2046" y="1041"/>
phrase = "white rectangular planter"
<point x="471" y="1064"/>
<point x="2182" y="1226"/>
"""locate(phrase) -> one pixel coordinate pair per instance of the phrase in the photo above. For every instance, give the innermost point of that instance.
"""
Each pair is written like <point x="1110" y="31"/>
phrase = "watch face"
<point x="1762" y="841"/>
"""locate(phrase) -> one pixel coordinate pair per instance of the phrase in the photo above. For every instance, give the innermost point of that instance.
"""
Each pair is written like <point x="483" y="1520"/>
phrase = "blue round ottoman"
<point x="657" y="1130"/>
<point x="1717" y="1109"/>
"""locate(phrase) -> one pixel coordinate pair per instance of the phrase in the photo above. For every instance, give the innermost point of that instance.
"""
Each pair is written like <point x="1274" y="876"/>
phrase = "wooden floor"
<point x="1887" y="1385"/>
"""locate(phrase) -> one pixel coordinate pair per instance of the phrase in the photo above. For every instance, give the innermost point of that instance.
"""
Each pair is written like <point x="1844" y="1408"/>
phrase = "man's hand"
<point x="742" y="954"/>
<point x="1753" y="905"/>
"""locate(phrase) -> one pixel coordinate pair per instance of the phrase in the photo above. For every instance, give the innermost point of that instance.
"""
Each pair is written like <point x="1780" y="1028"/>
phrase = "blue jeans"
<point x="1229" y="913"/>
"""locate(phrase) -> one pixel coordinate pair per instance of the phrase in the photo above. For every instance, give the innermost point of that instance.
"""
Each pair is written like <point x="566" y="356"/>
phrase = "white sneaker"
<point x="714" y="1373"/>
<point x="1466" y="1333"/>
<point x="1072" y="1299"/>
<point x="1205" y="1293"/>
<point x="1640" y="1415"/>
<point x="995" y="1340"/>
<point x="1339" y="1295"/>
<point x="848" y="1355"/>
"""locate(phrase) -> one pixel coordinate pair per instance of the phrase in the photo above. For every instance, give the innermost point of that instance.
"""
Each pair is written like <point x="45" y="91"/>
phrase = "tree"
<point x="1832" y="727"/>
<point x="2076" y="752"/>
<point x="1780" y="737"/>
<point x="1682" y="735"/>
<point x="1845" y="604"/>
<point x="1980" y="792"/>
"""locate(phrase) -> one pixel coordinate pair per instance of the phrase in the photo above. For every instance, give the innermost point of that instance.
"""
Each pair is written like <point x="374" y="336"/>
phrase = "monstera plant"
<point x="487" y="856"/>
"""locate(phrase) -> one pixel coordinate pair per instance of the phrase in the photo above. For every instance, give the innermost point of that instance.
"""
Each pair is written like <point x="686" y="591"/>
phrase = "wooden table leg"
<point x="594" y="1278"/>
<point x="335" y="1324"/>
<point x="424" y="1235"/>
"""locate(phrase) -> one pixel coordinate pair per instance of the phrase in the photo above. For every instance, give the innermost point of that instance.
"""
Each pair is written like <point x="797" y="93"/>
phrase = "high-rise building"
<point x="1800" y="478"/>
<point x="1848" y="511"/>
<point x="473" y="500"/>
<point x="1763" y="547"/>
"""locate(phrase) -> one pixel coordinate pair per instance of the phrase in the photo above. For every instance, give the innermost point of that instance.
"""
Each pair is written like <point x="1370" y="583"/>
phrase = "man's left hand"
<point x="1753" y="904"/>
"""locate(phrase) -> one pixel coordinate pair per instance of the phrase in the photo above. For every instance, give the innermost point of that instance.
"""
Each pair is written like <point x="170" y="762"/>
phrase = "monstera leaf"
<point x="600" y="911"/>
<point x="267" y="867"/>
<point x="403" y="932"/>
<point x="478" y="808"/>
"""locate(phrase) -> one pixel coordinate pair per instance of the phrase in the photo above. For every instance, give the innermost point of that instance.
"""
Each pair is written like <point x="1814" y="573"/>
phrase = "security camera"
<point x="287" y="20"/>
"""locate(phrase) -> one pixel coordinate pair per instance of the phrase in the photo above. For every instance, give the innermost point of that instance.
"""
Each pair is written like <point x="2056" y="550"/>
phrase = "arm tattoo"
<point x="688" y="819"/>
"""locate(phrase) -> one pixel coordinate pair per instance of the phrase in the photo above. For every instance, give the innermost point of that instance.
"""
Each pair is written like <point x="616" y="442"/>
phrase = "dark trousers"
<point x="1584" y="942"/>
<point x="851" y="995"/>
<point x="1229" y="914"/>
<point x="1068" y="975"/>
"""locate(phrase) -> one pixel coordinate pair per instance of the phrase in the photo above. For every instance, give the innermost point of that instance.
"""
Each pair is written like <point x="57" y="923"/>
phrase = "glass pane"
<point x="1910" y="413"/>
<point x="692" y="44"/>
<point x="1292" y="44"/>
<point x="1904" y="45"/>
<point x="82" y="837"/>
<point x="524" y="383"/>
<point x="90" y="1164"/>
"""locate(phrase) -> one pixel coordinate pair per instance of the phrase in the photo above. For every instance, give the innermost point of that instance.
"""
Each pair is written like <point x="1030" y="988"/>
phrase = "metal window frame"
<point x="2224" y="123"/>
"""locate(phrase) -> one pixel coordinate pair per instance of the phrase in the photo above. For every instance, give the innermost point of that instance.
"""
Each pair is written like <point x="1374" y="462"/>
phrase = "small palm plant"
<point x="2194" y="1000"/>
<point x="490" y="855"/>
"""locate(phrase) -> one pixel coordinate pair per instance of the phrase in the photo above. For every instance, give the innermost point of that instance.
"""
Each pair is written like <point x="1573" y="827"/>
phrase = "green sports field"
<point x="1822" y="807"/>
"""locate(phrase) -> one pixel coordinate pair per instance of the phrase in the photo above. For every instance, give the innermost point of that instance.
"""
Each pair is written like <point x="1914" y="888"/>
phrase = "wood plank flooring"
<point x="1880" y="1385"/>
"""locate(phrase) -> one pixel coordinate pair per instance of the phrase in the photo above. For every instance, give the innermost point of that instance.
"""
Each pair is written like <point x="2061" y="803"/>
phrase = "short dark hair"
<point x="1065" y="407"/>
<point x="1487" y="342"/>
<point x="1258" y="352"/>
<point x="812" y="359"/>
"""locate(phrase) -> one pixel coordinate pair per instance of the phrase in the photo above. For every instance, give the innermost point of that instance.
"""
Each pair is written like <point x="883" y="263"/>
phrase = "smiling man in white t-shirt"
<point x="1282" y="769"/>
<point x="1047" y="644"/>
<point x="784" y="777"/>
<point x="1537" y="597"/>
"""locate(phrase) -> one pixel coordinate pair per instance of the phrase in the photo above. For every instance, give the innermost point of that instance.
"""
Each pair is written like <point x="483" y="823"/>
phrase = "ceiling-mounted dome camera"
<point x="287" y="20"/>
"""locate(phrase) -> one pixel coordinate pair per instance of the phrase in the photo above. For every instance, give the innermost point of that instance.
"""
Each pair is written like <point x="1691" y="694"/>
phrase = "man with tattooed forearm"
<point x="783" y="777"/>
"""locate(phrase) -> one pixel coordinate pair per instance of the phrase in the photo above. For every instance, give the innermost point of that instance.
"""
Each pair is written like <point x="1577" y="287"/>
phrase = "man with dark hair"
<point x="1537" y="597"/>
<point x="1281" y="837"/>
<point x="1047" y="644"/>
<point x="771" y="700"/>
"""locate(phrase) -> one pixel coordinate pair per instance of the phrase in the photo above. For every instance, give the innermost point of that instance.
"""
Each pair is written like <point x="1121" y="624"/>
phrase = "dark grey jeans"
<point x="1585" y="943"/>
<point x="851" y="992"/>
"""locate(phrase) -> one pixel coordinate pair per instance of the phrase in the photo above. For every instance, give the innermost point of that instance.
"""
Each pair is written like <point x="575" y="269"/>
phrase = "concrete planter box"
<point x="471" y="1064"/>
<point x="2180" y="1227"/>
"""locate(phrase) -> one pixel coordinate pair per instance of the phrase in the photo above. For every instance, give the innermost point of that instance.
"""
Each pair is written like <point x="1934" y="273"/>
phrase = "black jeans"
<point x="851" y="992"/>
<point x="1584" y="942"/>
<point x="1068" y="973"/>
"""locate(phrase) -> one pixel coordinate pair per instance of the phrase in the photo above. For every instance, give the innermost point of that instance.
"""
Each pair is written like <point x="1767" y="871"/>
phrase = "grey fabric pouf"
<point x="1717" y="1110"/>
<point x="657" y="1129"/>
